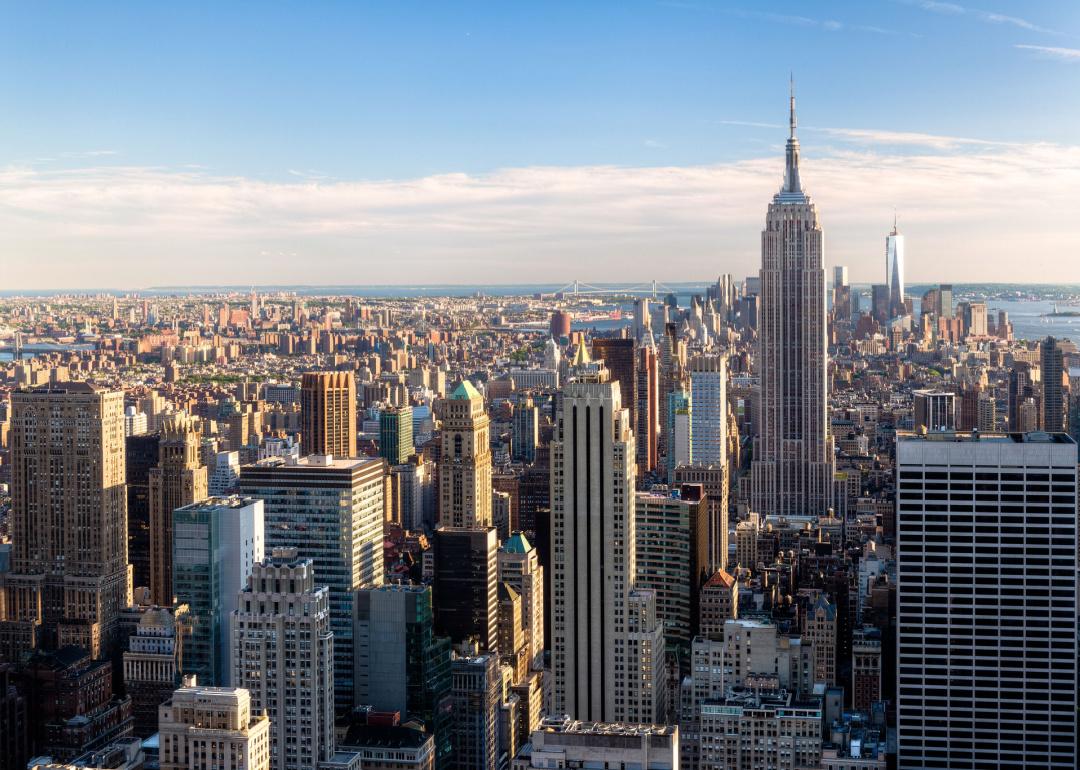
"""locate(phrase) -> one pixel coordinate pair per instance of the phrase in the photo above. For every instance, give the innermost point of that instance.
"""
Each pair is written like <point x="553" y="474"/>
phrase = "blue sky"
<point x="242" y="107"/>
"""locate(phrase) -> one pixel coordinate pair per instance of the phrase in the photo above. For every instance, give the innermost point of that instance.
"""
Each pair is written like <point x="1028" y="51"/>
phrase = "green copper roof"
<point x="517" y="543"/>
<point x="465" y="392"/>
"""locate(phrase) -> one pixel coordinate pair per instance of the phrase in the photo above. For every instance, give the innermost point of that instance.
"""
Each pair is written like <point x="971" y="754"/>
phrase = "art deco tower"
<point x="465" y="466"/>
<point x="793" y="464"/>
<point x="179" y="479"/>
<point x="69" y="576"/>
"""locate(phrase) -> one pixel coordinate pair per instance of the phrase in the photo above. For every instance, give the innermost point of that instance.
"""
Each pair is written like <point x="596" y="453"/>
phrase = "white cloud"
<point x="1052" y="52"/>
<point x="971" y="211"/>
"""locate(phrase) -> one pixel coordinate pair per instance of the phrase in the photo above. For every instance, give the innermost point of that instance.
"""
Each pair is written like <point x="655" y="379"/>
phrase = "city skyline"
<point x="637" y="148"/>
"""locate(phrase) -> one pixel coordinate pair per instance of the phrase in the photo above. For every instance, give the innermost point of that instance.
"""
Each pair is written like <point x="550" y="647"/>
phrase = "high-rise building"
<point x="141" y="454"/>
<point x="69" y="576"/>
<point x="476" y="701"/>
<point x="213" y="727"/>
<point x="396" y="434"/>
<point x="401" y="665"/>
<point x="708" y="396"/>
<point x="820" y="630"/>
<point x="933" y="410"/>
<point x="894" y="271"/>
<point x="151" y="672"/>
<point x="713" y="479"/>
<point x="792" y="472"/>
<point x="519" y="567"/>
<point x="1021" y="390"/>
<point x="465" y="462"/>
<point x="718" y="603"/>
<point x="607" y="643"/>
<point x="283" y="655"/>
<point x="216" y="543"/>
<point x="865" y="668"/>
<point x="224" y="477"/>
<point x="672" y="533"/>
<point x="178" y="480"/>
<point x="465" y="588"/>
<point x="1052" y="363"/>
<point x="526" y="431"/>
<point x="679" y="431"/>
<point x="620" y="359"/>
<point x="328" y="414"/>
<point x="986" y="615"/>
<point x="647" y="429"/>
<point x="331" y="511"/>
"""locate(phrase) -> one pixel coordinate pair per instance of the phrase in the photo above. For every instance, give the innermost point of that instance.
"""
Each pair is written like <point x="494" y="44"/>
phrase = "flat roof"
<point x="949" y="436"/>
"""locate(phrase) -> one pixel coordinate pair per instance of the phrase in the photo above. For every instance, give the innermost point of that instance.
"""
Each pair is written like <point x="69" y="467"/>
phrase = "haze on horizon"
<point x="366" y="144"/>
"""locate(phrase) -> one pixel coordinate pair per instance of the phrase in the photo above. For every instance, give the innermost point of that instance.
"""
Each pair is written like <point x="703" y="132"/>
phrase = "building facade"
<point x="328" y="414"/>
<point x="465" y="462"/>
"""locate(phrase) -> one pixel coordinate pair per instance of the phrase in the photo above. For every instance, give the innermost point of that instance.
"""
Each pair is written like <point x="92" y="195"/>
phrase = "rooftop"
<point x="951" y="436"/>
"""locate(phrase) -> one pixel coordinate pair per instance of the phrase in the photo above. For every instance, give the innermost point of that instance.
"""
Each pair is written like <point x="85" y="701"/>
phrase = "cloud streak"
<point x="1052" y="52"/>
<point x="973" y="212"/>
<point x="989" y="17"/>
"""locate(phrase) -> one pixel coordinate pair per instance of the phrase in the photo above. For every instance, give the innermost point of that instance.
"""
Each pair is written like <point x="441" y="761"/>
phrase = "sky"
<point x="150" y="144"/>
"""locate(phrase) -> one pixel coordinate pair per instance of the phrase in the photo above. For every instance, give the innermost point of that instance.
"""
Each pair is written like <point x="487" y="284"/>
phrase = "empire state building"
<point x="792" y="470"/>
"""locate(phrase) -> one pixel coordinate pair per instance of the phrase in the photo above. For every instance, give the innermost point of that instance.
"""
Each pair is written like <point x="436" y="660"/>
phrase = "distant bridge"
<point x="579" y="288"/>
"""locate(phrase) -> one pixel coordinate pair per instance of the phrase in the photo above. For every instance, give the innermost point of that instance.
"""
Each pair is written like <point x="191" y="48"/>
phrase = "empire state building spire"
<point x="792" y="191"/>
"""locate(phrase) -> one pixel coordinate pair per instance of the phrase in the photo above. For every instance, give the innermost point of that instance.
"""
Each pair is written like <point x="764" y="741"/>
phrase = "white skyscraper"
<point x="283" y="654"/>
<point x="708" y="414"/>
<point x="986" y="600"/>
<point x="894" y="271"/>
<point x="608" y="645"/>
<point x="793" y="457"/>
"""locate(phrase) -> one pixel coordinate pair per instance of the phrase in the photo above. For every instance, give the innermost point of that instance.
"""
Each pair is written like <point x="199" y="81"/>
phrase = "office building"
<point x="178" y="480"/>
<point x="894" y="271"/>
<point x="224" y="476"/>
<point x="1052" y="364"/>
<point x="519" y="567"/>
<point x="820" y="630"/>
<point x="283" y="655"/>
<point x="607" y="646"/>
<point x="986" y="616"/>
<point x="331" y="510"/>
<point x="865" y="668"/>
<point x="718" y="603"/>
<point x="792" y="471"/>
<point x="933" y="410"/>
<point x="678" y="431"/>
<point x="713" y="479"/>
<point x="465" y="588"/>
<point x="386" y="747"/>
<point x="647" y="428"/>
<point x="69" y="575"/>
<point x="396" y="434"/>
<point x="400" y="664"/>
<point x="672" y="533"/>
<point x="708" y="397"/>
<point x="140" y="456"/>
<point x="215" y="545"/>
<point x="328" y="414"/>
<point x="1022" y="392"/>
<point x="476" y="698"/>
<point x="526" y="431"/>
<point x="465" y="462"/>
<point x="620" y="359"/>
<point x="213" y="727"/>
<point x="151" y="670"/>
<point x="564" y="742"/>
<point x="754" y="728"/>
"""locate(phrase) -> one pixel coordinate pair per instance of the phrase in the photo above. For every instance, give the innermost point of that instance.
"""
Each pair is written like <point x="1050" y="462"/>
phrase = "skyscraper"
<point x="647" y="429"/>
<point x="465" y="588"/>
<point x="396" y="434"/>
<point x="465" y="464"/>
<point x="476" y="700"/>
<point x="178" y="480"/>
<point x="331" y="511"/>
<point x="216" y="543"/>
<point x="519" y="567"/>
<point x="1053" y="392"/>
<point x="793" y="458"/>
<point x="69" y="574"/>
<point x="141" y="454"/>
<point x="401" y="665"/>
<point x="328" y="414"/>
<point x="607" y="643"/>
<point x="620" y="358"/>
<point x="282" y="653"/>
<point x="986" y="600"/>
<point x="708" y="415"/>
<point x="894" y="271"/>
